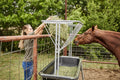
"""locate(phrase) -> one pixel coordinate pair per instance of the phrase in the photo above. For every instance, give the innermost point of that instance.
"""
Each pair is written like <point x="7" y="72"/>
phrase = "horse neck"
<point x="109" y="39"/>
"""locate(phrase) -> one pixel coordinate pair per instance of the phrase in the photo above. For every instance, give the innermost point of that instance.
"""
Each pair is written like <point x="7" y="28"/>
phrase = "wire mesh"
<point x="95" y="52"/>
<point x="11" y="60"/>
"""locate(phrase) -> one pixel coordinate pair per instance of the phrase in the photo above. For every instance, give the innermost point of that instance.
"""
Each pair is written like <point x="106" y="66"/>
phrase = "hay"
<point x="67" y="71"/>
<point x="63" y="29"/>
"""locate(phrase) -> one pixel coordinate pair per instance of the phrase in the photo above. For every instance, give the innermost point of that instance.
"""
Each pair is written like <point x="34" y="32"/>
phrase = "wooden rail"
<point x="99" y="62"/>
<point x="17" y="38"/>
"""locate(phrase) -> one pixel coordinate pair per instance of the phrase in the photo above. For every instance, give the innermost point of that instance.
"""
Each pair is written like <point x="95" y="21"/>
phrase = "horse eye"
<point x="85" y="33"/>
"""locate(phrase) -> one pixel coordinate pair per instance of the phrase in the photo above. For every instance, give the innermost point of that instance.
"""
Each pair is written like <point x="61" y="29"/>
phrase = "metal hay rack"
<point x="52" y="71"/>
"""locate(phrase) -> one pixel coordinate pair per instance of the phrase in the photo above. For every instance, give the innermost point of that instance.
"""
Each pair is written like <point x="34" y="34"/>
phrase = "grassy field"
<point x="11" y="65"/>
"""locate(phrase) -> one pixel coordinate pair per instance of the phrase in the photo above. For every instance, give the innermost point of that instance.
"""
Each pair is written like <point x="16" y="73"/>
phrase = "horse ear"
<point x="94" y="27"/>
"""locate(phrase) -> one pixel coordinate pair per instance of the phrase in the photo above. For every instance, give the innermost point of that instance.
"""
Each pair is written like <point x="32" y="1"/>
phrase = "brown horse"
<point x="109" y="39"/>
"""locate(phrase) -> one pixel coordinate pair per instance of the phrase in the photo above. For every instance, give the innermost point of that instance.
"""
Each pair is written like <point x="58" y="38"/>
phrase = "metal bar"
<point x="50" y="36"/>
<point x="35" y="58"/>
<point x="17" y="38"/>
<point x="70" y="45"/>
<point x="55" y="50"/>
<point x="61" y="21"/>
<point x="99" y="62"/>
<point x="58" y="49"/>
<point x="81" y="68"/>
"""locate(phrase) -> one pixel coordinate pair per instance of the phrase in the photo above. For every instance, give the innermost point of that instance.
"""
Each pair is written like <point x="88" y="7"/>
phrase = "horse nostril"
<point x="75" y="42"/>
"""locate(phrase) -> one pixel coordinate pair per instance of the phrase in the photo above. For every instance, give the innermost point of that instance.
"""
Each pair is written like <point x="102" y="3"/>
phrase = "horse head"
<point x="87" y="37"/>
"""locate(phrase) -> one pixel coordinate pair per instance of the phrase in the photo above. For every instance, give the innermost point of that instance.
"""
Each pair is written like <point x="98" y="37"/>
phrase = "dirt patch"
<point x="100" y="74"/>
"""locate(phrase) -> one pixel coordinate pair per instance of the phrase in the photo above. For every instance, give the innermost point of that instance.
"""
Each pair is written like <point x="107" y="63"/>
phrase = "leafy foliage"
<point x="16" y="13"/>
<point x="103" y="13"/>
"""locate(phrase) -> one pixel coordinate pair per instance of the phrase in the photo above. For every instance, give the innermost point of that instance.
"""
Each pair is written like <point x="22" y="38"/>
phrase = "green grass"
<point x="101" y="66"/>
<point x="11" y="65"/>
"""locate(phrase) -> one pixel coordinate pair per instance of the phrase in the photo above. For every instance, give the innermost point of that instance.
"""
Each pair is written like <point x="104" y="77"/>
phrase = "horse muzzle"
<point x="76" y="42"/>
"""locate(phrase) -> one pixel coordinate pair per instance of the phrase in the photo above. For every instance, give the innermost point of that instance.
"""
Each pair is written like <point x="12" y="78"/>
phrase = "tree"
<point x="103" y="13"/>
<point x="16" y="13"/>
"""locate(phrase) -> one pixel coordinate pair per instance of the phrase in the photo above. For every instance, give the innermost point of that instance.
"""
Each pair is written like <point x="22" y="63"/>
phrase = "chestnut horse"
<point x="109" y="39"/>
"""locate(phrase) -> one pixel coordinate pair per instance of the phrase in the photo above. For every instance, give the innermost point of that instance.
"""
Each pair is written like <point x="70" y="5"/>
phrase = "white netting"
<point x="72" y="35"/>
<point x="64" y="24"/>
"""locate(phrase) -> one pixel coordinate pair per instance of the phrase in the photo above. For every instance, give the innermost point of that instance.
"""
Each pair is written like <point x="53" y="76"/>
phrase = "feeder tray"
<point x="69" y="69"/>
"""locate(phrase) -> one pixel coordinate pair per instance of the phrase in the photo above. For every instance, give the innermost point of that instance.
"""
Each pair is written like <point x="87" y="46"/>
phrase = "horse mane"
<point x="109" y="39"/>
<point x="112" y="34"/>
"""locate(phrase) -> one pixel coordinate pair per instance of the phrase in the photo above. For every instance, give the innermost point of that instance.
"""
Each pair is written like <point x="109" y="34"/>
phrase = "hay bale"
<point x="64" y="33"/>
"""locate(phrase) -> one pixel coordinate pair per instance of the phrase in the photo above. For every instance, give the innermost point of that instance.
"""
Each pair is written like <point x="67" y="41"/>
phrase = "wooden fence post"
<point x="35" y="59"/>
